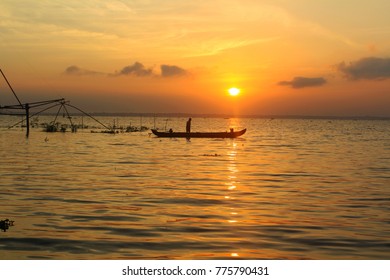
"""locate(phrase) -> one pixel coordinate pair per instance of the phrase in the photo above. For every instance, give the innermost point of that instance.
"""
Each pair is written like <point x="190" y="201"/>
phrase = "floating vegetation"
<point x="131" y="128"/>
<point x="5" y="224"/>
<point x="105" y="131"/>
<point x="58" y="127"/>
<point x="128" y="129"/>
<point x="51" y="128"/>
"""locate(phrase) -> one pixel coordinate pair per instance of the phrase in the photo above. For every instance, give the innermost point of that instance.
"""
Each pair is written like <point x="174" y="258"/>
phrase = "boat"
<point x="227" y="134"/>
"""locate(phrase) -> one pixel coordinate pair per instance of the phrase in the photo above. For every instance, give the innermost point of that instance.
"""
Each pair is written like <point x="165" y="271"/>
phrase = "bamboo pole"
<point x="27" y="107"/>
<point x="5" y="78"/>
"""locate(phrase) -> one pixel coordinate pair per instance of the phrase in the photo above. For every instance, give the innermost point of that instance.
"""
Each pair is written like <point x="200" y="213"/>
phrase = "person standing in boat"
<point x="188" y="126"/>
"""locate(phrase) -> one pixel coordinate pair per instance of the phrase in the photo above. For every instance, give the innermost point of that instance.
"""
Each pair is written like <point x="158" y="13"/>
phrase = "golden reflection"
<point x="232" y="170"/>
<point x="232" y="184"/>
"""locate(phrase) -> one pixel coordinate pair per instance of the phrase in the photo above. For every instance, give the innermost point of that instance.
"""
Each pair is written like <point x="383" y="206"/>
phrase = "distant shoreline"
<point x="183" y="115"/>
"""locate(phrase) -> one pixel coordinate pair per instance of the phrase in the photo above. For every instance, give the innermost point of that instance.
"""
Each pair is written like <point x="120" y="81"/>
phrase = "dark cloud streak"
<point x="77" y="71"/>
<point x="302" y="82"/>
<point x="369" y="68"/>
<point x="137" y="69"/>
<point x="171" y="71"/>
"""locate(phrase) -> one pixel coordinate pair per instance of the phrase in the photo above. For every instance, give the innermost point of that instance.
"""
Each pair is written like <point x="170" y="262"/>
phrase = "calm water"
<point x="287" y="189"/>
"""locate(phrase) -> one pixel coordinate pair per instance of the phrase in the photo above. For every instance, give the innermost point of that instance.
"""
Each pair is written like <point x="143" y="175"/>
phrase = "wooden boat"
<point x="229" y="134"/>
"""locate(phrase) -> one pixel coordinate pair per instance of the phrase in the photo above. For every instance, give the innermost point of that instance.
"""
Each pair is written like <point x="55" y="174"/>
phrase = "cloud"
<point x="77" y="71"/>
<point x="172" y="70"/>
<point x="302" y="82"/>
<point x="370" y="68"/>
<point x="137" y="69"/>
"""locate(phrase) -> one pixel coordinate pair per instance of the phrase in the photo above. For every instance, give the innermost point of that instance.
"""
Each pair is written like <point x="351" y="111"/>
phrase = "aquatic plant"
<point x="5" y="224"/>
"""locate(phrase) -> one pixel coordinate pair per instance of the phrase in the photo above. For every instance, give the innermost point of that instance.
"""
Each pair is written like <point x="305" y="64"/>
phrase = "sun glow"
<point x="234" y="91"/>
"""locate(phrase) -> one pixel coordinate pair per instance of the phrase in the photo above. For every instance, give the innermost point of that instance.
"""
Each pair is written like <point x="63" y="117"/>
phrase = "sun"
<point x="234" y="91"/>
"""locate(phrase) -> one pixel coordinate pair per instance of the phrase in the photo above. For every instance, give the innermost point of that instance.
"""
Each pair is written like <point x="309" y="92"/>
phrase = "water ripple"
<point x="287" y="189"/>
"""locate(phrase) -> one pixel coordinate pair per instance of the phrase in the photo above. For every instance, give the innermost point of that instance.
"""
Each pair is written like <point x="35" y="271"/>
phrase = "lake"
<point x="287" y="189"/>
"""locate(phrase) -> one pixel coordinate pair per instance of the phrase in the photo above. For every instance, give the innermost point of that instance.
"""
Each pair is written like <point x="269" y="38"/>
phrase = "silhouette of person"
<point x="188" y="126"/>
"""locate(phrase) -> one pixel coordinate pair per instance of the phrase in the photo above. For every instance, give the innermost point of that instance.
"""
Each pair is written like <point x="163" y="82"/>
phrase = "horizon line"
<point x="220" y="115"/>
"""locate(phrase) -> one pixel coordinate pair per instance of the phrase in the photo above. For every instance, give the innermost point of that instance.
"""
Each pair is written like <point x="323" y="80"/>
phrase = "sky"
<point x="288" y="57"/>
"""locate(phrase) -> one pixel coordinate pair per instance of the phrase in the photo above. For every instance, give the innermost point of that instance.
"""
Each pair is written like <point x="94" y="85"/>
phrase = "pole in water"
<point x="27" y="107"/>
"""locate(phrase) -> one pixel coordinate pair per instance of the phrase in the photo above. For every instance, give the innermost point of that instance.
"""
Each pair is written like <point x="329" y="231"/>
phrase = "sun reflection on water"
<point x="232" y="188"/>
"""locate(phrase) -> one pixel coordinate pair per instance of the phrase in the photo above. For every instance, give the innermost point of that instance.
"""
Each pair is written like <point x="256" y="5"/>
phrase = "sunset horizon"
<point x="303" y="58"/>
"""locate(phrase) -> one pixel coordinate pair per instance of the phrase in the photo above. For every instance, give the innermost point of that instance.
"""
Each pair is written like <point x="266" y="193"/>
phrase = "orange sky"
<point x="296" y="57"/>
